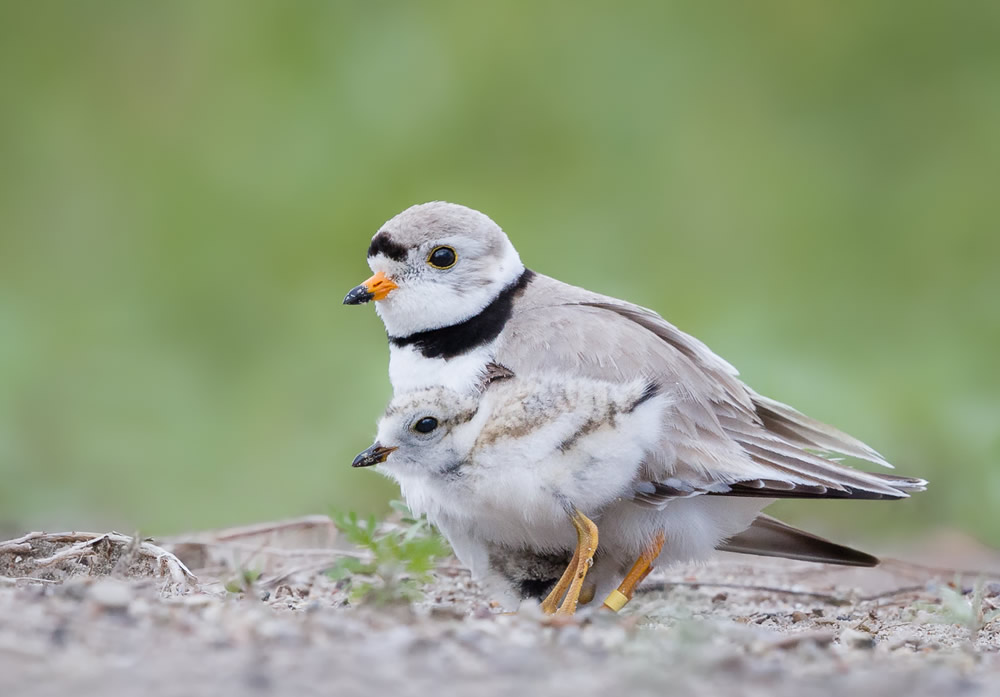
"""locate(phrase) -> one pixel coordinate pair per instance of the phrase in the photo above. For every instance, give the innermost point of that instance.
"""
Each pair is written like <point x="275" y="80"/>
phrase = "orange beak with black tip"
<point x="377" y="287"/>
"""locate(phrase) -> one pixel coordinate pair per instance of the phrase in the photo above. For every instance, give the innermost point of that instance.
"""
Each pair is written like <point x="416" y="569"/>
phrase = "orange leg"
<point x="617" y="599"/>
<point x="571" y="582"/>
<point x="551" y="602"/>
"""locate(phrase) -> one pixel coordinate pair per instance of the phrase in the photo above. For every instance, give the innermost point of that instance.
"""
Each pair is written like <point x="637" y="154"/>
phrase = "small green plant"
<point x="973" y="612"/>
<point x="970" y="610"/>
<point x="243" y="582"/>
<point x="399" y="558"/>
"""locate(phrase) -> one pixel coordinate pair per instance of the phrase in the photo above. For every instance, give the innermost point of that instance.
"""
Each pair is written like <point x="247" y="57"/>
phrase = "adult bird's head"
<point x="435" y="265"/>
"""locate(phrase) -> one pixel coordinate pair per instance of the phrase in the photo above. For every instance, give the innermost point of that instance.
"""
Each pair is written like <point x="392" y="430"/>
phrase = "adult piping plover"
<point x="457" y="302"/>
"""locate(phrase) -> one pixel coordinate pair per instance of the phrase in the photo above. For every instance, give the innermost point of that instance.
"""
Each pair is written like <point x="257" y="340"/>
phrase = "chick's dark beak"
<point x="373" y="456"/>
<point x="377" y="287"/>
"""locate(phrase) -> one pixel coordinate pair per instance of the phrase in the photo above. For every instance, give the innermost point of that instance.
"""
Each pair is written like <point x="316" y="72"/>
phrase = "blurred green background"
<point x="187" y="190"/>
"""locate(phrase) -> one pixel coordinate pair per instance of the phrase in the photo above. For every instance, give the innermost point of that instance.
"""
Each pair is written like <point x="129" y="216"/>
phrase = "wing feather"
<point x="769" y="537"/>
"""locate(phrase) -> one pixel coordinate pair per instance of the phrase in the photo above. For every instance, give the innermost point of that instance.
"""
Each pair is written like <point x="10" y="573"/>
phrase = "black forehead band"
<point x="383" y="244"/>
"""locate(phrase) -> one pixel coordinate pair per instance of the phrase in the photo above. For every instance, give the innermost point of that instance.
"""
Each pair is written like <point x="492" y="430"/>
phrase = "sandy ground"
<point x="110" y="616"/>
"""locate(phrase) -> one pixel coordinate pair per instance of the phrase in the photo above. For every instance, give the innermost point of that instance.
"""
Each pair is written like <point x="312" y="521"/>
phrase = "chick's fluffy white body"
<point x="505" y="470"/>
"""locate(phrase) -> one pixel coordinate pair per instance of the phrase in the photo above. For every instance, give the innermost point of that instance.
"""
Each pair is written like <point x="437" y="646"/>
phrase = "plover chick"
<point x="526" y="465"/>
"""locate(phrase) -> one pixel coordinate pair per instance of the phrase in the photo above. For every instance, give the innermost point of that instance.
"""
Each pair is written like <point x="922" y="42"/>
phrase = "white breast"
<point x="409" y="369"/>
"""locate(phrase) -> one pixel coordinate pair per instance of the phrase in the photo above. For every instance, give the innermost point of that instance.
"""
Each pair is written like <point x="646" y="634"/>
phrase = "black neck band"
<point x="480" y="329"/>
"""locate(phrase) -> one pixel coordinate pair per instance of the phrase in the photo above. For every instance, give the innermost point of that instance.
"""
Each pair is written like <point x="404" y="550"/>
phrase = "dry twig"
<point x="18" y="580"/>
<point x="82" y="544"/>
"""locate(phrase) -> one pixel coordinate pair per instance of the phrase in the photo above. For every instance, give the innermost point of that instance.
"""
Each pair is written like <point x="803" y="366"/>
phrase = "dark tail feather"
<point x="769" y="537"/>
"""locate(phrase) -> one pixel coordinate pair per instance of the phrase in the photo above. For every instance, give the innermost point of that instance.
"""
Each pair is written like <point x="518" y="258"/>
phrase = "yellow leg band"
<point x="616" y="600"/>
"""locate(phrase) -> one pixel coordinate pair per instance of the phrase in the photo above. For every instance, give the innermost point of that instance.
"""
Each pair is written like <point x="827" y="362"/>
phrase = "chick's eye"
<point x="425" y="425"/>
<point x="442" y="257"/>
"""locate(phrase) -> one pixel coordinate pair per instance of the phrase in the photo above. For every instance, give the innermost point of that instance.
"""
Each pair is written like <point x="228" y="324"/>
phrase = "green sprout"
<point x="243" y="582"/>
<point x="398" y="562"/>
<point x="973" y="612"/>
<point x="969" y="610"/>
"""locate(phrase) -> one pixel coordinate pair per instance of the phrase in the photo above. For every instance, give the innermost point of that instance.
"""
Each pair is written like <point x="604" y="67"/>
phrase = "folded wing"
<point x="719" y="438"/>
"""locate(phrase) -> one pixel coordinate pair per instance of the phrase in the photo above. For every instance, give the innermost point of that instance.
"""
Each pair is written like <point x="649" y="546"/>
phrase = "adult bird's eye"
<point x="442" y="257"/>
<point x="425" y="425"/>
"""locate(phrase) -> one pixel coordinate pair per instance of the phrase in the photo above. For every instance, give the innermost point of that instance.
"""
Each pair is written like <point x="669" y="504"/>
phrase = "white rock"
<point x="111" y="594"/>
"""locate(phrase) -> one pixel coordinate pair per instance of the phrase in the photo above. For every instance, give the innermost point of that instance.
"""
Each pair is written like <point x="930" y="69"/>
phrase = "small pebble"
<point x="111" y="594"/>
<point x="76" y="588"/>
<point x="855" y="639"/>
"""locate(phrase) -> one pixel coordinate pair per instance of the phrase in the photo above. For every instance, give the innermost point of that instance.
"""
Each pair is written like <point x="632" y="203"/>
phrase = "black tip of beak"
<point x="373" y="456"/>
<point x="358" y="296"/>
